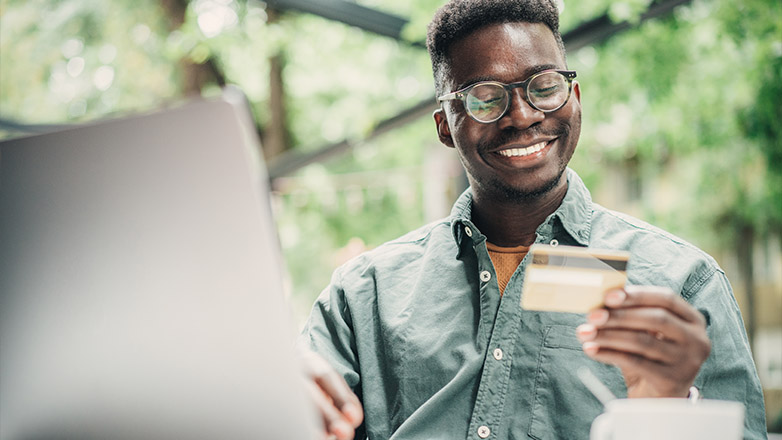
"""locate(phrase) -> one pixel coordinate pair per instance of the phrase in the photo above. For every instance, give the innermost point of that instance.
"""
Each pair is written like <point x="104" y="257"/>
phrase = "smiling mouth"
<point x="521" y="152"/>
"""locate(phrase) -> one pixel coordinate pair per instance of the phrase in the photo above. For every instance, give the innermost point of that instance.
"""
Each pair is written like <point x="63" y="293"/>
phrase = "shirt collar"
<point x="461" y="220"/>
<point x="574" y="213"/>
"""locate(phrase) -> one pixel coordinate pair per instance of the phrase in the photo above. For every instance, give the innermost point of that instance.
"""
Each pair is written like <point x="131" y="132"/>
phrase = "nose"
<point x="520" y="114"/>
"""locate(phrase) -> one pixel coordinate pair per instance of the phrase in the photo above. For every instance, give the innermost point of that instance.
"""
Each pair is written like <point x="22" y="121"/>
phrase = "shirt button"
<point x="484" y="431"/>
<point x="554" y="242"/>
<point x="485" y="276"/>
<point x="498" y="354"/>
<point x="468" y="231"/>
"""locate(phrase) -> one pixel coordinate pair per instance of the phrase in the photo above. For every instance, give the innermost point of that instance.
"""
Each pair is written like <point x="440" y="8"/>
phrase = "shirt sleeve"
<point x="729" y="372"/>
<point x="329" y="332"/>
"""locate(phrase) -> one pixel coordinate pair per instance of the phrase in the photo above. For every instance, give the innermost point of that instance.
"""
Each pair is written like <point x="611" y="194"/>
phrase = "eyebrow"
<point x="527" y="73"/>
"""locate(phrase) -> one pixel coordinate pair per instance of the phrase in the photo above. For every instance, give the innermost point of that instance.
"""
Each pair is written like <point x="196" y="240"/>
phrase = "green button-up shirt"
<point x="419" y="330"/>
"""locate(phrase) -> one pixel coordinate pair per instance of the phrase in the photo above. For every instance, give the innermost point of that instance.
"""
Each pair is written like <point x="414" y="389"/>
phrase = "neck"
<point x="511" y="223"/>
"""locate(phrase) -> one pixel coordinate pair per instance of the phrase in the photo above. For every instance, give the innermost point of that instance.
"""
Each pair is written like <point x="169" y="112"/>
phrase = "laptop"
<point x="141" y="291"/>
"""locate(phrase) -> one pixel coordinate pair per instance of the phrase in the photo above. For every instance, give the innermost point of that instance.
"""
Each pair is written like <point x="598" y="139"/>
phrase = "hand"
<point x="335" y="401"/>
<point x="657" y="340"/>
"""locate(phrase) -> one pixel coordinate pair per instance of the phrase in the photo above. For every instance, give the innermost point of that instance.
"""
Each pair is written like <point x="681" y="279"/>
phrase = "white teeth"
<point x="515" y="152"/>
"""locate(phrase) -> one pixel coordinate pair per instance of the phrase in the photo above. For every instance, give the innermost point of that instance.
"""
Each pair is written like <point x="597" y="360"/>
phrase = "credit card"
<point x="571" y="279"/>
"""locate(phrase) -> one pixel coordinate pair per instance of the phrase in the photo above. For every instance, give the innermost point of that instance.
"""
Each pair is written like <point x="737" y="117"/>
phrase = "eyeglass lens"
<point x="487" y="102"/>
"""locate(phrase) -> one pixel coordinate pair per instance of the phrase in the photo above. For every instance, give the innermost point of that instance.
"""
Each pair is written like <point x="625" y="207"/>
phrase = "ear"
<point x="577" y="91"/>
<point x="443" y="130"/>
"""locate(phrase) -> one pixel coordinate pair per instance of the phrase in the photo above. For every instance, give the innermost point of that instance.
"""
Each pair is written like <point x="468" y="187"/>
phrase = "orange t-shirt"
<point x="505" y="260"/>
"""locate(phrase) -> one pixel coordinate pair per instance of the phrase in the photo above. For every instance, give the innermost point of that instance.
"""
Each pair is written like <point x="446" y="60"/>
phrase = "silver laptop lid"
<point x="140" y="283"/>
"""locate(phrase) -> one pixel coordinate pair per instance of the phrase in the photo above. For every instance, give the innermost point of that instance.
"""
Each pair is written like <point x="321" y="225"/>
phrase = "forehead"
<point x="504" y="52"/>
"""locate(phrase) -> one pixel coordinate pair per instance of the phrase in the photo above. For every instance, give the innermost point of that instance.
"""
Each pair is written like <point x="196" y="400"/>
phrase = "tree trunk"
<point x="193" y="76"/>
<point x="276" y="139"/>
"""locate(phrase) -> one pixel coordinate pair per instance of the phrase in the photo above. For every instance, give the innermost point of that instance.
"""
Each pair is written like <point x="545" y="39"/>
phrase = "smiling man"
<point x="425" y="333"/>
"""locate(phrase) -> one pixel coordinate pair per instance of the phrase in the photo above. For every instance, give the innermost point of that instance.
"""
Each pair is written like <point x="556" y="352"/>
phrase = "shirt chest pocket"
<point x="562" y="405"/>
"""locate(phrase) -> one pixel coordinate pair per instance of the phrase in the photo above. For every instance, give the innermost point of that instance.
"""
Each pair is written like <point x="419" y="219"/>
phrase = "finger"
<point x="332" y="418"/>
<point x="669" y="381"/>
<point x="653" y="296"/>
<point x="639" y="343"/>
<point x="335" y="387"/>
<point x="652" y="320"/>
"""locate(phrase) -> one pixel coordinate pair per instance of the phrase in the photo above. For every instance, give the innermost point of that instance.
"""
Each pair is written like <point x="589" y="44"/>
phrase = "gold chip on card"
<point x="571" y="279"/>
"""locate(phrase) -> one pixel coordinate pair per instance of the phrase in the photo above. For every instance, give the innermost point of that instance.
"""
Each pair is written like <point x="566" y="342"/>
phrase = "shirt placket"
<point x="494" y="382"/>
<point x="497" y="363"/>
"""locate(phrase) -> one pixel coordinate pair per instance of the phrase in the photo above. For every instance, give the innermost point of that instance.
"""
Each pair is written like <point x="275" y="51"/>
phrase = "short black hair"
<point x="458" y="18"/>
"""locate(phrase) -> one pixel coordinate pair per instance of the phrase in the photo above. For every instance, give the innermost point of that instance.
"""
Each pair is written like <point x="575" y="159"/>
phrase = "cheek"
<point x="575" y="118"/>
<point x="458" y="123"/>
<point x="575" y="126"/>
<point x="467" y="133"/>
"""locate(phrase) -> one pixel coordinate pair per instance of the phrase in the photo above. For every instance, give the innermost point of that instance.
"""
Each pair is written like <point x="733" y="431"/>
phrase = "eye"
<point x="543" y="92"/>
<point x="486" y="94"/>
<point x="488" y="102"/>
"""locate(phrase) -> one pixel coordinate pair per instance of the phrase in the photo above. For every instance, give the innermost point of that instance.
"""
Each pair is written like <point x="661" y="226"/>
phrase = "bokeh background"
<point x="682" y="112"/>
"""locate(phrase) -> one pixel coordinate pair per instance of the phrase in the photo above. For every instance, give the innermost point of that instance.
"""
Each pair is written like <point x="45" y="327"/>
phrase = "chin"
<point x="525" y="194"/>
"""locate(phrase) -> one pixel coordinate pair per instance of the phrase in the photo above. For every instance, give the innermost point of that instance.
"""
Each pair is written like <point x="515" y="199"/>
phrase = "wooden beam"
<point x="290" y="162"/>
<point x="353" y="14"/>
<point x="602" y="28"/>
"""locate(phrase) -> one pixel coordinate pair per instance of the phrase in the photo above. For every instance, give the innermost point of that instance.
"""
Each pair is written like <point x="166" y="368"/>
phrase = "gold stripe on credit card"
<point x="571" y="279"/>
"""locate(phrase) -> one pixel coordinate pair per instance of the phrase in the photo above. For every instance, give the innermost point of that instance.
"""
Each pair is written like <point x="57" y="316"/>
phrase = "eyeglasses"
<point x="488" y="101"/>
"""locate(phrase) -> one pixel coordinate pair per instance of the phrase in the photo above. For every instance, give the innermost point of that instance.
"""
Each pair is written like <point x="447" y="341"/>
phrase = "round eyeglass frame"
<point x="461" y="95"/>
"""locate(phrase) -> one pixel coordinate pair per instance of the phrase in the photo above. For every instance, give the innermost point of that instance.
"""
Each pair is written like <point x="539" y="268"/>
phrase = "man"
<point x="427" y="329"/>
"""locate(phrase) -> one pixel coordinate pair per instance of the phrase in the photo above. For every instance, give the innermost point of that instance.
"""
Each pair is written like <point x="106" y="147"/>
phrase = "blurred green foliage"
<point x="76" y="60"/>
<point x="695" y="94"/>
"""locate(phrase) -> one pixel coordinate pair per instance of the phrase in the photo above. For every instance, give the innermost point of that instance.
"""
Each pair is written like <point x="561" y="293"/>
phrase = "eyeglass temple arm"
<point x="450" y="96"/>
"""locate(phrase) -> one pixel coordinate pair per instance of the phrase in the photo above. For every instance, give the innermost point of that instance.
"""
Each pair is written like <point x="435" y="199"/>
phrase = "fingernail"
<point x="615" y="297"/>
<point x="590" y="347"/>
<point x="341" y="429"/>
<point x="598" y="317"/>
<point x="352" y="412"/>
<point x="586" y="332"/>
